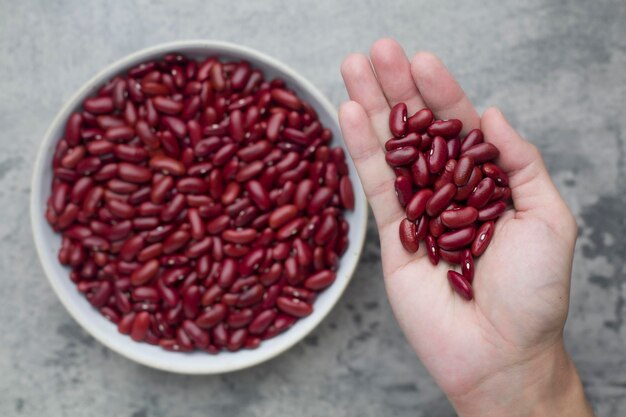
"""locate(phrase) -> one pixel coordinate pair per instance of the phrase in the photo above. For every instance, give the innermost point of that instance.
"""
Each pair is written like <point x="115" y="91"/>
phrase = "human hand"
<point x="501" y="354"/>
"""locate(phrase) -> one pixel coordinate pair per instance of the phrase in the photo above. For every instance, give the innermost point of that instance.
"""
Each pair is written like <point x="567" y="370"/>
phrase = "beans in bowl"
<point x="200" y="205"/>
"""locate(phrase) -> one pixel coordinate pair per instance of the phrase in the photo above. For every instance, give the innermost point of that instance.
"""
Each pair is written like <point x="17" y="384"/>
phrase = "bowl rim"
<point x="37" y="218"/>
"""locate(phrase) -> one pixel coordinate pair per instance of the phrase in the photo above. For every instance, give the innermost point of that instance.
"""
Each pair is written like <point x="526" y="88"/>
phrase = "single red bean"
<point x="422" y="227"/>
<point x="467" y="265"/>
<point x="491" y="211"/>
<point x="460" y="285"/>
<point x="459" y="218"/>
<point x="440" y="199"/>
<point x="294" y="306"/>
<point x="191" y="301"/>
<point x="436" y="227"/>
<point x="404" y="190"/>
<point x="420" y="172"/>
<point x="167" y="165"/>
<point x="262" y="321"/>
<point x="449" y="129"/>
<point x="239" y="319"/>
<point x="454" y="148"/>
<point x="483" y="238"/>
<point x="401" y="156"/>
<point x="417" y="205"/>
<point x="464" y="191"/>
<point x="432" y="249"/>
<point x="346" y="193"/>
<point x="463" y="170"/>
<point x="240" y="236"/>
<point x="420" y="121"/>
<point x="438" y="155"/>
<point x="411" y="140"/>
<point x="408" y="236"/>
<point x="398" y="120"/>
<point x="496" y="173"/>
<point x="99" y="105"/>
<point x="482" y="193"/>
<point x="145" y="273"/>
<point x="319" y="200"/>
<point x="200" y="248"/>
<point x="320" y="280"/>
<point x="286" y="98"/>
<point x="452" y="256"/>
<point x="483" y="152"/>
<point x="457" y="239"/>
<point x="474" y="137"/>
<point x="139" y="327"/>
<point x="212" y="316"/>
<point x="326" y="231"/>
<point x="72" y="129"/>
<point x="258" y="194"/>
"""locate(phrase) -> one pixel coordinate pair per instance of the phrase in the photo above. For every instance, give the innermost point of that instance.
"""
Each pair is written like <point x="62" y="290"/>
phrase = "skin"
<point x="501" y="354"/>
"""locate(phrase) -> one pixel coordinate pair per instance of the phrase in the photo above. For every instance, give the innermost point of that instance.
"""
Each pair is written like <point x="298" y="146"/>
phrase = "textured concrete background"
<point x="556" y="68"/>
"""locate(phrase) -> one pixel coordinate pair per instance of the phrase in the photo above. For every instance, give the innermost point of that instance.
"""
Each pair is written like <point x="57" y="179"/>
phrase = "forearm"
<point x="546" y="386"/>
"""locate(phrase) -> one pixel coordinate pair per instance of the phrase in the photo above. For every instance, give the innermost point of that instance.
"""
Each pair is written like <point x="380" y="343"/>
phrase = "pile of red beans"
<point x="451" y="191"/>
<point x="201" y="206"/>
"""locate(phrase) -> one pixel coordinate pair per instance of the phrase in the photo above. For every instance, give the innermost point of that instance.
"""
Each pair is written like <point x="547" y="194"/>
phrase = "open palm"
<point x="521" y="286"/>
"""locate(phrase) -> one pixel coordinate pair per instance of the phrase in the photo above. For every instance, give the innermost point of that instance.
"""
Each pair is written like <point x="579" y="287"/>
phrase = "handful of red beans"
<point x="451" y="190"/>
<point x="201" y="206"/>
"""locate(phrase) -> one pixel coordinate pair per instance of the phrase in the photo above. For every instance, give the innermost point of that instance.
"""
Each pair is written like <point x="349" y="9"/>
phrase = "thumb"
<point x="533" y="191"/>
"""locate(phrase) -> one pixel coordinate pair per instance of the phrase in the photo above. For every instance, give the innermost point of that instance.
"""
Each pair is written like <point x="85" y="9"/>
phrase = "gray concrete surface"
<point x="556" y="68"/>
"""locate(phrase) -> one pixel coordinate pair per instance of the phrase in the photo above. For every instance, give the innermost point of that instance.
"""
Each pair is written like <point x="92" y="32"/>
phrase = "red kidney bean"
<point x="494" y="172"/>
<point x="346" y="193"/>
<point x="440" y="199"/>
<point x="463" y="170"/>
<point x="474" y="137"/>
<point x="449" y="129"/>
<point x="456" y="219"/>
<point x="436" y="227"/>
<point x="319" y="200"/>
<point x="140" y="325"/>
<point x="417" y="205"/>
<point x="99" y="105"/>
<point x="398" y="120"/>
<point x="467" y="265"/>
<point x="145" y="273"/>
<point x="460" y="285"/>
<point x="294" y="306"/>
<point x="491" y="211"/>
<point x="212" y="316"/>
<point x="401" y="156"/>
<point x="432" y="249"/>
<point x="420" y="121"/>
<point x="408" y="235"/>
<point x="411" y="140"/>
<point x="457" y="239"/>
<point x="72" y="129"/>
<point x="482" y="193"/>
<point x="420" y="172"/>
<point x="451" y="256"/>
<point x="454" y="148"/>
<point x="320" y="280"/>
<point x="404" y="189"/>
<point x="422" y="227"/>
<point x="438" y="155"/>
<point x="464" y="191"/>
<point x="240" y="236"/>
<point x="482" y="152"/>
<point x="239" y="319"/>
<point x="326" y="231"/>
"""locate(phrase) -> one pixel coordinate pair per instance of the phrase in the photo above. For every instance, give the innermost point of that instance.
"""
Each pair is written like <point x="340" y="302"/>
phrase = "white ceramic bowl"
<point x="48" y="242"/>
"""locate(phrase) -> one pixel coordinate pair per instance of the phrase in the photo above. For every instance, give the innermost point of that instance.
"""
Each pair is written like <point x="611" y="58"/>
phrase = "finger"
<point x="369" y="159"/>
<point x="532" y="188"/>
<point x="364" y="89"/>
<point x="440" y="91"/>
<point x="393" y="71"/>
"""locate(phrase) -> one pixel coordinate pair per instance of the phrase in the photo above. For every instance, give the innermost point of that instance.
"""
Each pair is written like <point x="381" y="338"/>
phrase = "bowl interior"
<point x="48" y="242"/>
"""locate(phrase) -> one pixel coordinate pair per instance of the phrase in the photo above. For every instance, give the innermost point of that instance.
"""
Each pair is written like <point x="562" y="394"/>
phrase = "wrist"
<point x="545" y="385"/>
